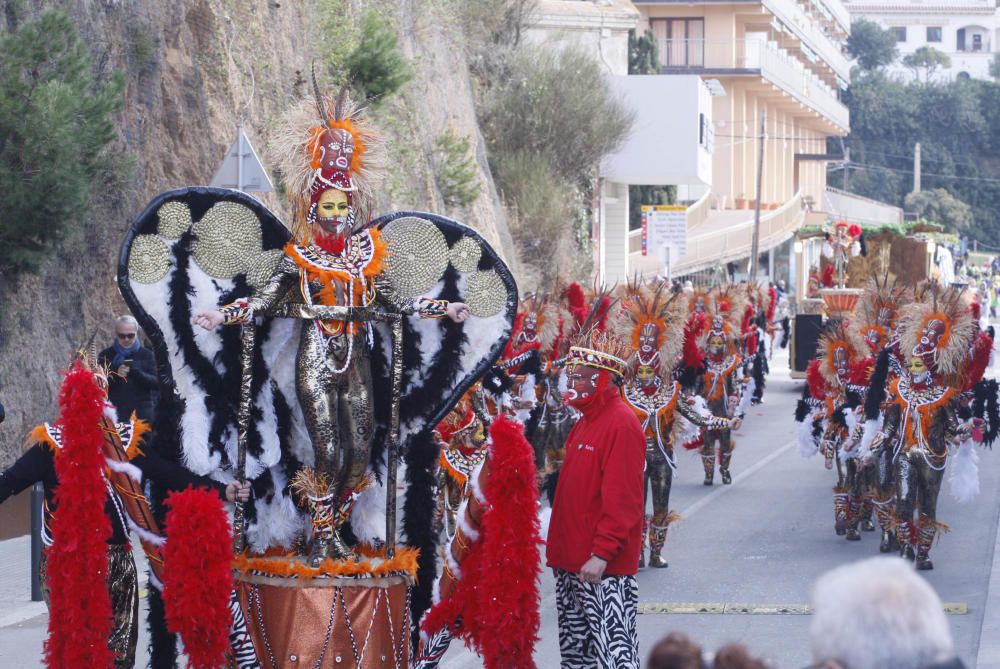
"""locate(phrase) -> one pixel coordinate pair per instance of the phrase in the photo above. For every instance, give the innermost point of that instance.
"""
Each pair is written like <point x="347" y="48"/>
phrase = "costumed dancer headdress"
<point x="939" y="329"/>
<point x="537" y="324"/>
<point x="876" y="312"/>
<point x="839" y="351"/>
<point x="601" y="350"/>
<point x="725" y="317"/>
<point x="323" y="144"/>
<point x="652" y="312"/>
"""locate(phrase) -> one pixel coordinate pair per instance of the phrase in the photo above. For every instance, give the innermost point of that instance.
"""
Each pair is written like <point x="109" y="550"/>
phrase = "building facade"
<point x="967" y="31"/>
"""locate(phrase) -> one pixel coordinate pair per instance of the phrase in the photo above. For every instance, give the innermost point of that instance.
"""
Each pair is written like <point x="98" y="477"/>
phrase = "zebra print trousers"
<point x="597" y="622"/>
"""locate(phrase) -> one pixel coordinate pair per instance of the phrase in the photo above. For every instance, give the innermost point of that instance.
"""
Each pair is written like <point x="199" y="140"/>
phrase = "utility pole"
<point x="847" y="169"/>
<point x="916" y="168"/>
<point x="755" y="240"/>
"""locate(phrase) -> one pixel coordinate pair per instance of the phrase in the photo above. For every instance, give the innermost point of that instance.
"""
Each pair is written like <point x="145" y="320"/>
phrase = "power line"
<point x="862" y="166"/>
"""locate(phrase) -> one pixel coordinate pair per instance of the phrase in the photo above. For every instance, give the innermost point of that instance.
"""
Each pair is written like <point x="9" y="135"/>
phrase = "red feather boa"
<point x="577" y="301"/>
<point x="814" y="378"/>
<point x="693" y="356"/>
<point x="497" y="597"/>
<point x="198" y="579"/>
<point x="982" y="348"/>
<point x="826" y="277"/>
<point x="772" y="303"/>
<point x="80" y="607"/>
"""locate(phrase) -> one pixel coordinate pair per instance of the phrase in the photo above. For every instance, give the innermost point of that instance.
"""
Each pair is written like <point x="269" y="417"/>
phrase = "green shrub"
<point x="556" y="103"/>
<point x="456" y="170"/>
<point x="376" y="67"/>
<point x="55" y="123"/>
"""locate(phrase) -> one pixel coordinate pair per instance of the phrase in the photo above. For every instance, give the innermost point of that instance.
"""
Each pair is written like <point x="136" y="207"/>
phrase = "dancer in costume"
<point x="336" y="259"/>
<point x="462" y="435"/>
<point x="595" y="535"/>
<point x="921" y="420"/>
<point x="92" y="459"/>
<point x="654" y="323"/>
<point x="727" y="396"/>
<point x="842" y="244"/>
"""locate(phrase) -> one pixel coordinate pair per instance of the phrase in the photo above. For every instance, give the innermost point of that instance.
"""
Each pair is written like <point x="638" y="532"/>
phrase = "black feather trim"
<point x="984" y="405"/>
<point x="864" y="245"/>
<point x="838" y="417"/>
<point x="759" y="364"/>
<point x="162" y="644"/>
<point x="418" y="518"/>
<point x="549" y="486"/>
<point x="802" y="410"/>
<point x="877" y="383"/>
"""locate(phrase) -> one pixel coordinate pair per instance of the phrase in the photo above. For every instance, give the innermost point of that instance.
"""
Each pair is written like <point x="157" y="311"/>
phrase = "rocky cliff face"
<point x="195" y="69"/>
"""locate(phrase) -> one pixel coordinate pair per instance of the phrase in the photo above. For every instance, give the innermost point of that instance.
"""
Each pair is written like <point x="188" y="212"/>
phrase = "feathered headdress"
<point x="939" y="329"/>
<point x="322" y="144"/>
<point x="541" y="309"/>
<point x="876" y="312"/>
<point x="654" y="311"/>
<point x="728" y="304"/>
<point x="601" y="350"/>
<point x="839" y="337"/>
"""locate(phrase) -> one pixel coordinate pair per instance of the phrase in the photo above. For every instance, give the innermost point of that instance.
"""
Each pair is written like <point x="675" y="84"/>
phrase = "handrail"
<point x="698" y="212"/>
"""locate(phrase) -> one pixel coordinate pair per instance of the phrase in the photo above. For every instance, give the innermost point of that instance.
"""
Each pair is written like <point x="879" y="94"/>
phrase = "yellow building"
<point x="782" y="59"/>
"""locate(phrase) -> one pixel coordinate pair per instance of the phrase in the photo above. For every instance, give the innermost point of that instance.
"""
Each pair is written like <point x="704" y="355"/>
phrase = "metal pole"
<point x="916" y="168"/>
<point x="392" y="448"/>
<point x="37" y="500"/>
<point x="247" y="335"/>
<point x="755" y="240"/>
<point x="239" y="158"/>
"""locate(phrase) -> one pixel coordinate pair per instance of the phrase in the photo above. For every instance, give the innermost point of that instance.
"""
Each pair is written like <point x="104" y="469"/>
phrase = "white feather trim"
<point x="155" y="582"/>
<point x="453" y="565"/>
<point x="368" y="516"/>
<point x="963" y="477"/>
<point x="871" y="429"/>
<point x="807" y="444"/>
<point x="474" y="478"/>
<point x="748" y="391"/>
<point x="463" y="524"/>
<point x="563" y="384"/>
<point x="133" y="472"/>
<point x="145" y="535"/>
<point x="827" y="250"/>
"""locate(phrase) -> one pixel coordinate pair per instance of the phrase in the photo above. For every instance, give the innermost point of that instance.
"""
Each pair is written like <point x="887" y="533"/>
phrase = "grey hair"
<point x="128" y="320"/>
<point x="878" y="614"/>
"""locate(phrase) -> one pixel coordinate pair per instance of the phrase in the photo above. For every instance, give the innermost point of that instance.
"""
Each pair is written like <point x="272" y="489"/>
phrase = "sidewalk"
<point x="988" y="656"/>
<point x="15" y="584"/>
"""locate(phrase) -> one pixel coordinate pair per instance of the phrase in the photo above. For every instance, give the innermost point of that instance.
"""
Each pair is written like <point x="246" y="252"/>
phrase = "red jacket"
<point x="598" y="507"/>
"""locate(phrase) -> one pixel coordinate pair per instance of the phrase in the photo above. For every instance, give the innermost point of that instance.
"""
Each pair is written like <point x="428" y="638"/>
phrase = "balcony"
<point x="798" y="24"/>
<point x="755" y="57"/>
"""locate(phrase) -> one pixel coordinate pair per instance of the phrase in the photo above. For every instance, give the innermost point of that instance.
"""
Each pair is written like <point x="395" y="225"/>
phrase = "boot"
<point x="322" y="529"/>
<point x="841" y="512"/>
<point x="724" y="459"/>
<point x="925" y="538"/>
<point x="867" y="512"/>
<point x="708" y="461"/>
<point x="854" y="513"/>
<point x="657" y="537"/>
<point x="905" y="535"/>
<point x="887" y="521"/>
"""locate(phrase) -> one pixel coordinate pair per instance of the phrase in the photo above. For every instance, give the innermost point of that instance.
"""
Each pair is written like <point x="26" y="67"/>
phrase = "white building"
<point x="968" y="31"/>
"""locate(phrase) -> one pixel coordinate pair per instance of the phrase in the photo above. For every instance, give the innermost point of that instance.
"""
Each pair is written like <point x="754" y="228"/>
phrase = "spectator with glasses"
<point x="132" y="384"/>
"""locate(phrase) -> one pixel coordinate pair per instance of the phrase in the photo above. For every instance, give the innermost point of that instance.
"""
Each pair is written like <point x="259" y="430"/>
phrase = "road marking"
<point x="727" y="608"/>
<point x="745" y="474"/>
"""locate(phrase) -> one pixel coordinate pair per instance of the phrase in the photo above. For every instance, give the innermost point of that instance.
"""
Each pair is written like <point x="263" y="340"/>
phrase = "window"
<point x="977" y="42"/>
<point x="933" y="34"/>
<point x="682" y="41"/>
<point x="900" y="33"/>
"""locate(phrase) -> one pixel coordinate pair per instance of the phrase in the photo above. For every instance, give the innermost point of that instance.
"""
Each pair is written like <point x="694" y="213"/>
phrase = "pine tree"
<point x="55" y="123"/>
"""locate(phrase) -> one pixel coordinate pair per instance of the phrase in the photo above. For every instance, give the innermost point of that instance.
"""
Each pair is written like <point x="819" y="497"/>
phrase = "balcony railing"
<point x="808" y="31"/>
<point x="774" y="64"/>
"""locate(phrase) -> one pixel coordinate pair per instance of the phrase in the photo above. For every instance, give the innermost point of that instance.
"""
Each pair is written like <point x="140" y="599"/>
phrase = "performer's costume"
<point x="726" y="395"/>
<point x="654" y="323"/>
<point x="87" y="569"/>
<point x="598" y="511"/>
<point x="845" y="242"/>
<point x="317" y="389"/>
<point x="462" y="436"/>
<point x="921" y="420"/>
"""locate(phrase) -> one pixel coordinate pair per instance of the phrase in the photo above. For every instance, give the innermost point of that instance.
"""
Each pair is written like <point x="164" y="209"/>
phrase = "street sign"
<point x="664" y="226"/>
<point x="242" y="169"/>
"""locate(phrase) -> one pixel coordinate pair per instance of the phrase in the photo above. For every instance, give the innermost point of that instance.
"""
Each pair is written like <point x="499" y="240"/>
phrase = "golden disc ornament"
<point x="175" y="219"/>
<point x="418" y="255"/>
<point x="148" y="259"/>
<point x="486" y="294"/>
<point x="227" y="239"/>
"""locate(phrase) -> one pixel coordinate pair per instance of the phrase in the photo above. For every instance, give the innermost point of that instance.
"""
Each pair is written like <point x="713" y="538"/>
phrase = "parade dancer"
<point x="336" y="259"/>
<point x="726" y="395"/>
<point x="595" y="534"/>
<point x="654" y="323"/>
<point x="921" y="420"/>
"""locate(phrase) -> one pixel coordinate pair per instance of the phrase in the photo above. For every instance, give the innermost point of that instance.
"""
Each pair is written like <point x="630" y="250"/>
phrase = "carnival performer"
<point x="595" y="533"/>
<point x="115" y="467"/>
<point x="845" y="242"/>
<point x="921" y="420"/>
<point x="335" y="259"/>
<point x="462" y="435"/>
<point x="727" y="396"/>
<point x="654" y="324"/>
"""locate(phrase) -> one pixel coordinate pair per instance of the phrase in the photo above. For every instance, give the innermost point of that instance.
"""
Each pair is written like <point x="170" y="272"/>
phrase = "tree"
<point x="995" y="66"/>
<point x="940" y="206"/>
<point x="376" y="66"/>
<point x="926" y="59"/>
<point x="871" y="45"/>
<point x="643" y="56"/>
<point x="56" y="121"/>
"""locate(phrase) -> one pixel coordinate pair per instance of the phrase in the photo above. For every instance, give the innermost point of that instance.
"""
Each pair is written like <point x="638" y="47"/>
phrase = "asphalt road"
<point x="761" y="541"/>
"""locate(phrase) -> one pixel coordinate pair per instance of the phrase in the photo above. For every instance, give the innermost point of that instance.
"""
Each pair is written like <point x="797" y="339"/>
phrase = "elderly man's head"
<point x="126" y="330"/>
<point x="878" y="614"/>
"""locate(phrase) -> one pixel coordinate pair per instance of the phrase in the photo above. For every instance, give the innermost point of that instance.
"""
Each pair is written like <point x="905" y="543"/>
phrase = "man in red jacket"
<point x="595" y="533"/>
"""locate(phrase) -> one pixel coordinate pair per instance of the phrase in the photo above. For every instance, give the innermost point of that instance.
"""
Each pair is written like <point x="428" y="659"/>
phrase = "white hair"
<point x="128" y="320"/>
<point x="878" y="614"/>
